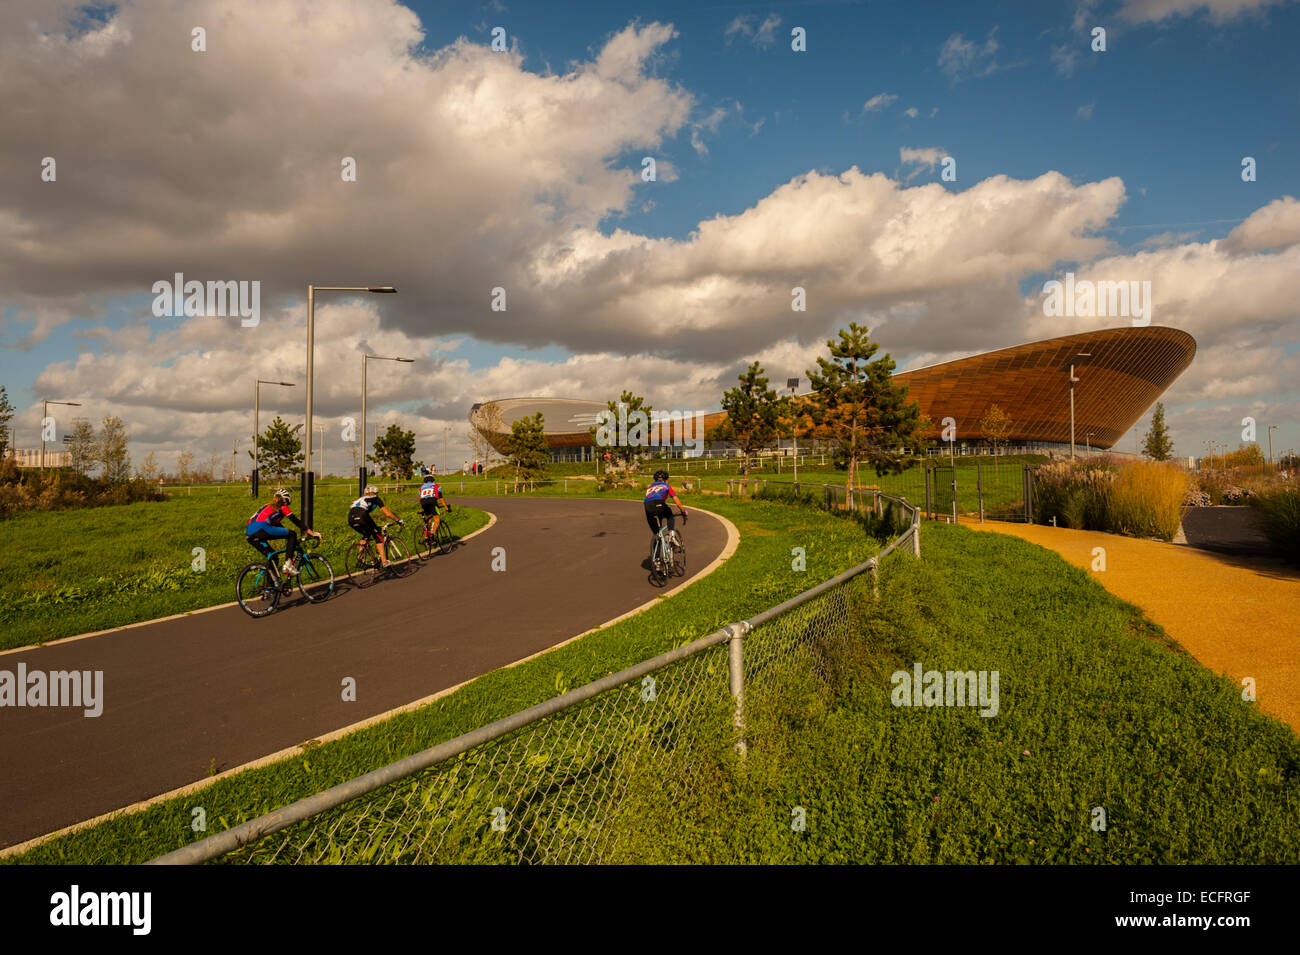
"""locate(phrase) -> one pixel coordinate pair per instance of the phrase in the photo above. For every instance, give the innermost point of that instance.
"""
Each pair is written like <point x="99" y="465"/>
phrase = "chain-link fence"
<point x="566" y="781"/>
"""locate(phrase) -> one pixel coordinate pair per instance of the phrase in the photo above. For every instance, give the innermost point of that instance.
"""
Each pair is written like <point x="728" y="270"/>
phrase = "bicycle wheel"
<point x="397" y="555"/>
<point x="315" y="577"/>
<point x="658" y="572"/>
<point x="444" y="542"/>
<point x="679" y="557"/>
<point x="257" y="591"/>
<point x="361" y="564"/>
<point x="424" y="545"/>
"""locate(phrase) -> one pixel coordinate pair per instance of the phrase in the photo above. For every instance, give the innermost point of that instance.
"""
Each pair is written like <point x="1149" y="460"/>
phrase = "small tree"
<point x="81" y="446"/>
<point x="490" y="423"/>
<point x="279" y="450"/>
<point x="753" y="412"/>
<point x="149" y="469"/>
<point x="395" y="451"/>
<point x="859" y="409"/>
<point x="624" y="429"/>
<point x="111" y="450"/>
<point x="996" y="426"/>
<point x="527" y="449"/>
<point x="185" y="466"/>
<point x="1157" y="444"/>
<point x="6" y="415"/>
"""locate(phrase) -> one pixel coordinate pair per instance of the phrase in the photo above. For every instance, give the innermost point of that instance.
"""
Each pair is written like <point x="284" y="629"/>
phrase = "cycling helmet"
<point x="661" y="475"/>
<point x="284" y="494"/>
<point x="371" y="491"/>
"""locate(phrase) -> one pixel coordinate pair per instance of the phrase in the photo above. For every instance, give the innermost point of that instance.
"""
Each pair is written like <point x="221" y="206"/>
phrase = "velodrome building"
<point x="1119" y="374"/>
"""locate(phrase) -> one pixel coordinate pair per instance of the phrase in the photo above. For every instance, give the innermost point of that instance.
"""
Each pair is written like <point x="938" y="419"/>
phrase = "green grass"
<point x="1098" y="709"/>
<point x="758" y="576"/>
<point x="68" y="572"/>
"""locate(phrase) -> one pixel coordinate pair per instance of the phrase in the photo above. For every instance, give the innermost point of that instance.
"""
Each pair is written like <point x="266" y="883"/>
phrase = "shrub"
<point x="1279" y="513"/>
<point x="1138" y="498"/>
<point x="56" y="490"/>
<point x="1147" y="500"/>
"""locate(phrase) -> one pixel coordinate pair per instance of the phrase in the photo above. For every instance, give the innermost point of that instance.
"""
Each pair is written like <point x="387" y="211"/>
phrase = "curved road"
<point x="221" y="689"/>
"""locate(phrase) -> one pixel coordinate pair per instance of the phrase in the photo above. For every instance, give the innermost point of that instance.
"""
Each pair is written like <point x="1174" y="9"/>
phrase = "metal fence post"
<point x="979" y="487"/>
<point x="736" y="677"/>
<point x="928" y="508"/>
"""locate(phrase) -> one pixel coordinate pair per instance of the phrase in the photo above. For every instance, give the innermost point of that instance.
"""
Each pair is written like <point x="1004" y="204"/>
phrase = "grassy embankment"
<point x="758" y="576"/>
<point x="68" y="572"/>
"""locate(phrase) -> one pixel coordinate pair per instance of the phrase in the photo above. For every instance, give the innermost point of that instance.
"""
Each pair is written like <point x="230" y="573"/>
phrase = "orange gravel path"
<point x="1235" y="615"/>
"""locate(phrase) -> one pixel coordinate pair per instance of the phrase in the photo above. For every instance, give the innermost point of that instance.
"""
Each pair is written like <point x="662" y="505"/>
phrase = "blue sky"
<point x="1007" y="89"/>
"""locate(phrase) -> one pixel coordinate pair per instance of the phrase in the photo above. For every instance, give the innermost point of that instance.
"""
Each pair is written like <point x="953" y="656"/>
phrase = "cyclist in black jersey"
<point x="359" y="518"/>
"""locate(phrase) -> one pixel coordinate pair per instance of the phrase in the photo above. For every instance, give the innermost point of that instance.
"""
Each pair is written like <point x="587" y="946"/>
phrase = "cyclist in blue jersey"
<point x="359" y="518"/>
<point x="430" y="497"/>
<point x="656" y="502"/>
<point x="265" y="526"/>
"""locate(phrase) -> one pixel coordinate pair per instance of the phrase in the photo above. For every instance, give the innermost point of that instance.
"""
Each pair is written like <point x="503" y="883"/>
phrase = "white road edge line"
<point x="291" y="752"/>
<point x="492" y="519"/>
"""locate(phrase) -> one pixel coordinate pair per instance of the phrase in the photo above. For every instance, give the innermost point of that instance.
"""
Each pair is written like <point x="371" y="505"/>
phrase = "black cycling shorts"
<point x="361" y="522"/>
<point x="655" y="510"/>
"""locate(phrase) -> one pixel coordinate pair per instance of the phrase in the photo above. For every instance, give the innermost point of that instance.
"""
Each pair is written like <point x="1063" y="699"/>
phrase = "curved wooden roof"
<point x="1127" y="370"/>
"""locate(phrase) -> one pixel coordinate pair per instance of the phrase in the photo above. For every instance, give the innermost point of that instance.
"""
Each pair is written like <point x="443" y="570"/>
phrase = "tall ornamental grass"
<point x="1147" y="500"/>
<point x="1137" y="498"/>
<point x="1279" y="514"/>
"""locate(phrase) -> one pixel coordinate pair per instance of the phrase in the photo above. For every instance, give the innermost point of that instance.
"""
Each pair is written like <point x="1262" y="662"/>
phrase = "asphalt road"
<point x="219" y="689"/>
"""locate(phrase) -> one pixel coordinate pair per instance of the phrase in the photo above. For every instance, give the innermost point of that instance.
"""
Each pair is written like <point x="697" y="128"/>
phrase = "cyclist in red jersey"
<point x="265" y="526"/>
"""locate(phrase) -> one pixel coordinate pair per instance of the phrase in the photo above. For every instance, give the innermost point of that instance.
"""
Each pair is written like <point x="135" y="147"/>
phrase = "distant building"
<point x="31" y="458"/>
<point x="1124" y="373"/>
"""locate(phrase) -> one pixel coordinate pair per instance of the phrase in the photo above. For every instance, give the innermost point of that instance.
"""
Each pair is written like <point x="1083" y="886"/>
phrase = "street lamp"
<point x="307" y="482"/>
<point x="1072" y="381"/>
<point x="1087" y="441"/>
<point x="45" y="413"/>
<point x="257" y="437"/>
<point x="445" y="430"/>
<point x="364" y="359"/>
<point x="1270" y="442"/>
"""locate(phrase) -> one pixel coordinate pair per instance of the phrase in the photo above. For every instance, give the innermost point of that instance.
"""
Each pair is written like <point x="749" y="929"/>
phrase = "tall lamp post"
<point x="445" y="430"/>
<point x="1072" y="381"/>
<point x="321" y="429"/>
<point x="45" y="413"/>
<point x="364" y="359"/>
<point x="257" y="437"/>
<point x="1270" y="442"/>
<point x="793" y="385"/>
<point x="1087" y="442"/>
<point x="308" y="483"/>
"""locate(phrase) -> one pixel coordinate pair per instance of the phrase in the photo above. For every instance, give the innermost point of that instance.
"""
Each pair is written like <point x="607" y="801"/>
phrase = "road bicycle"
<point x="260" y="586"/>
<point x="427" y="544"/>
<point x="667" y="556"/>
<point x="361" y="560"/>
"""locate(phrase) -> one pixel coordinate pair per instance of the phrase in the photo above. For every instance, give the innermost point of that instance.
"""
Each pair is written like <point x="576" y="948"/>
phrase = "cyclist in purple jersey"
<point x="656" y="502"/>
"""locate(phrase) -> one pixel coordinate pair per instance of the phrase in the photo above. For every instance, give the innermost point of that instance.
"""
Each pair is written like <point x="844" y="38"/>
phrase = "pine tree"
<point x="527" y="449"/>
<point x="1157" y="444"/>
<point x="858" y="408"/>
<point x="753" y="410"/>
<point x="625" y="428"/>
<point x="279" y="450"/>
